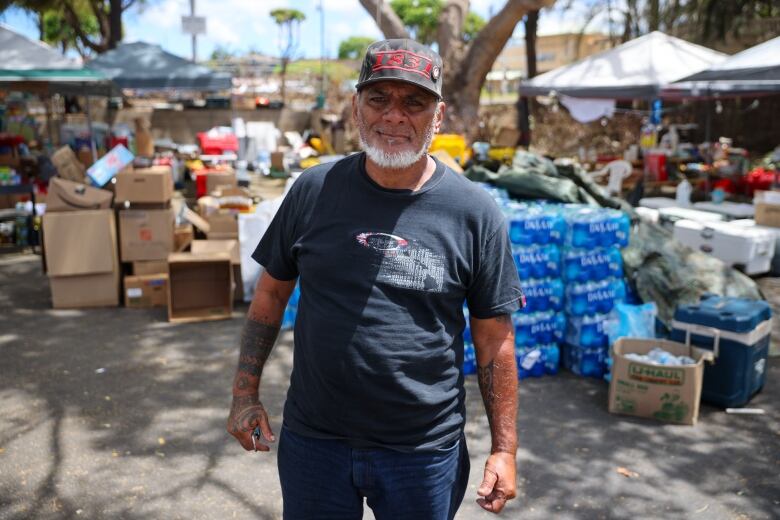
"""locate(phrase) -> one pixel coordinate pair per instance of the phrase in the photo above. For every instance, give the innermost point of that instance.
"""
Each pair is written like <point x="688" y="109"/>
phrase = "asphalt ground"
<point x="115" y="413"/>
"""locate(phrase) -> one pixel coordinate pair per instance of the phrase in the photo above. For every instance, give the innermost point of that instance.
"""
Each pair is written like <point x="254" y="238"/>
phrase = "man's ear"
<point x="354" y="106"/>
<point x="439" y="116"/>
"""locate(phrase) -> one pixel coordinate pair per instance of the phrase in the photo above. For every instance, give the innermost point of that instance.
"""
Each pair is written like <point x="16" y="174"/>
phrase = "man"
<point x="386" y="244"/>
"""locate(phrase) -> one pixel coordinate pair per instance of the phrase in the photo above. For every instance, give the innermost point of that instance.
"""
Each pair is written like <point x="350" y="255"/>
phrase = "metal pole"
<point x="322" y="52"/>
<point x="89" y="129"/>
<point x="194" y="37"/>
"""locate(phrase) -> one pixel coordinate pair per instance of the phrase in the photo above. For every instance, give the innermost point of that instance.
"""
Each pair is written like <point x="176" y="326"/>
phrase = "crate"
<point x="738" y="331"/>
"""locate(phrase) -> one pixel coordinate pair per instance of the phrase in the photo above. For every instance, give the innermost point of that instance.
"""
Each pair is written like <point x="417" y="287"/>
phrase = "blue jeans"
<point x="328" y="479"/>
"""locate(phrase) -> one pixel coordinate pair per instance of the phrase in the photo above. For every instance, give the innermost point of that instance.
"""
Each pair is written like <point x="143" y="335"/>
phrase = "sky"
<point x="243" y="25"/>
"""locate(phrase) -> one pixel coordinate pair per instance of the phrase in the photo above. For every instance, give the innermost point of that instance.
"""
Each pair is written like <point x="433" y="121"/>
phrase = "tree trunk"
<point x="283" y="87"/>
<point x="451" y="20"/>
<point x="523" y="103"/>
<point x="114" y="23"/>
<point x="465" y="77"/>
<point x="654" y="18"/>
<point x="389" y="22"/>
<point x="41" y="28"/>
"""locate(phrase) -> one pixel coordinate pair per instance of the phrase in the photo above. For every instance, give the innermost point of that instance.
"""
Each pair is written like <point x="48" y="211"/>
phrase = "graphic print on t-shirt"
<point x="404" y="263"/>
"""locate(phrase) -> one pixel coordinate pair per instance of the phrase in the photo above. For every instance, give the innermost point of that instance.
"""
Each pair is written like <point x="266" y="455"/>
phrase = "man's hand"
<point x="498" y="484"/>
<point x="247" y="413"/>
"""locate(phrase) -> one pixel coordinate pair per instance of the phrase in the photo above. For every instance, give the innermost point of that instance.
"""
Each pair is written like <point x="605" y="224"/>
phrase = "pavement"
<point x="115" y="413"/>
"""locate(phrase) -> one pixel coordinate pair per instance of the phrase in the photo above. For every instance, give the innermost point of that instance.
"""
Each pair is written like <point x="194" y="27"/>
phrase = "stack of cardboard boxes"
<point x="146" y="233"/>
<point x="89" y="246"/>
<point x="79" y="236"/>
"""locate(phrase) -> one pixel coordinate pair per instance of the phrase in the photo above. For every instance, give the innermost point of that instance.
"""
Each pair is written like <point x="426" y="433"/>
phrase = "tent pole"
<point x="49" y="104"/>
<point x="92" y="146"/>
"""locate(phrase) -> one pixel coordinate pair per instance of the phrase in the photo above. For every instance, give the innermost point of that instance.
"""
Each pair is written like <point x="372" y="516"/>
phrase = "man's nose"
<point x="394" y="113"/>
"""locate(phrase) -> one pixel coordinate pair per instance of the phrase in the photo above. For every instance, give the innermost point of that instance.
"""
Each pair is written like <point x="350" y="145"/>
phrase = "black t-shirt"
<point x="383" y="277"/>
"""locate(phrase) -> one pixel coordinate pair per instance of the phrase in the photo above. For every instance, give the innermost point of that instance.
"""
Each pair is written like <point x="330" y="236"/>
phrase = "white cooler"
<point x="658" y="202"/>
<point x="774" y="268"/>
<point x="731" y="210"/>
<point x="668" y="216"/>
<point x="735" y="245"/>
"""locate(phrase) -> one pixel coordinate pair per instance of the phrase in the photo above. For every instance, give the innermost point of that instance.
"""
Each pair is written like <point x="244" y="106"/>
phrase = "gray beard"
<point x="395" y="160"/>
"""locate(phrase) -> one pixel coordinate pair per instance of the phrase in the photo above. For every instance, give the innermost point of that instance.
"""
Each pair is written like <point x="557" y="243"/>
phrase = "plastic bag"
<point x="634" y="321"/>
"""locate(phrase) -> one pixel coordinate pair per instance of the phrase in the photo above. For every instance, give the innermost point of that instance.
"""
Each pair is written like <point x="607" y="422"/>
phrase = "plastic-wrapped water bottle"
<point x="469" y="358"/>
<point x="530" y="362"/>
<point x="594" y="297"/>
<point x="537" y="261"/>
<point x="551" y="356"/>
<point x="539" y="328"/>
<point x="543" y="294"/>
<point x="582" y="265"/>
<point x="587" y="331"/>
<point x="588" y="362"/>
<point x="590" y="227"/>
<point x="537" y="225"/>
<point x="288" y="318"/>
<point x="580" y="220"/>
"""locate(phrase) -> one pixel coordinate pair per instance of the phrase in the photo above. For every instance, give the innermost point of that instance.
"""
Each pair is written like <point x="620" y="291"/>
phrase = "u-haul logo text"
<point x="657" y="375"/>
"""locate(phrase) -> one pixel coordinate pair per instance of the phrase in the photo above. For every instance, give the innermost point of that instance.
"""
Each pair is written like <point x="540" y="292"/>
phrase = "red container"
<point x="655" y="166"/>
<point x="217" y="144"/>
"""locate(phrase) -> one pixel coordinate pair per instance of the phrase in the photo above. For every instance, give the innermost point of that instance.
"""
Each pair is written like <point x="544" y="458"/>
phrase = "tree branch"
<point x="73" y="19"/>
<point x="490" y="41"/>
<point x="389" y="22"/>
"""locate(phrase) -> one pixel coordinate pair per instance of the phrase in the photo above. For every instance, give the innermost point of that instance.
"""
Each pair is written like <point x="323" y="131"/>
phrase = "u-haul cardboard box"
<point x="665" y="393"/>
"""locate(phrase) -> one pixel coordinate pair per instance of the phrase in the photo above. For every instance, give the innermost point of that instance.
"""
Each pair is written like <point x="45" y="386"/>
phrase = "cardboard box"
<point x="109" y="165"/>
<point x="767" y="205"/>
<point x="205" y="247"/>
<point x="146" y="234"/>
<point x="183" y="236"/>
<point x="65" y="195"/>
<point x="199" y="287"/>
<point x="88" y="290"/>
<point x="81" y="256"/>
<point x="145" y="291"/>
<point x="68" y="165"/>
<point x="222" y="226"/>
<point x="150" y="267"/>
<point x="216" y="179"/>
<point x="665" y="393"/>
<point x="144" y="144"/>
<point x="277" y="161"/>
<point x="231" y="247"/>
<point x="145" y="185"/>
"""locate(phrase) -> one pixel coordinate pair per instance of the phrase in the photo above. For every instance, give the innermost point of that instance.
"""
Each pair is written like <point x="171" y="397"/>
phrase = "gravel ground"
<point x="115" y="413"/>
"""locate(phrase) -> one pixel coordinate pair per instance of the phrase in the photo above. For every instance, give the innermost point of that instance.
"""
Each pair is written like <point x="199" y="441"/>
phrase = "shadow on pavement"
<point x="114" y="413"/>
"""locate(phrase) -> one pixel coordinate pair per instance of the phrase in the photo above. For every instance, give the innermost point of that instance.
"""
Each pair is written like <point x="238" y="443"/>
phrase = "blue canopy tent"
<point x="144" y="66"/>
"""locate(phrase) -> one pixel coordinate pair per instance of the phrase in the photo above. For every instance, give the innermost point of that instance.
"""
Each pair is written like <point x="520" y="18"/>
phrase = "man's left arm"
<point x="494" y="342"/>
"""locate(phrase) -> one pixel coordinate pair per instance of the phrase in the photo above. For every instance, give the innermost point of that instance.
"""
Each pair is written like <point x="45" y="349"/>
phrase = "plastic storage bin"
<point x="738" y="332"/>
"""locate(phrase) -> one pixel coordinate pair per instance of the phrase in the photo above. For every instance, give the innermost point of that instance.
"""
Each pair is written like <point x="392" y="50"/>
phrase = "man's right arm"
<point x="257" y="339"/>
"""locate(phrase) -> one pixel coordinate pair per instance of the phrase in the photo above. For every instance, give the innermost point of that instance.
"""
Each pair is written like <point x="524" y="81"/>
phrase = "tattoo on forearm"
<point x="485" y="375"/>
<point x="257" y="340"/>
<point x="498" y="385"/>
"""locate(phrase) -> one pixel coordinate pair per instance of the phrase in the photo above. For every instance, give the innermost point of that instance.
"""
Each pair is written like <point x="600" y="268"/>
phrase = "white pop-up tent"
<point x="637" y="69"/>
<point x="753" y="71"/>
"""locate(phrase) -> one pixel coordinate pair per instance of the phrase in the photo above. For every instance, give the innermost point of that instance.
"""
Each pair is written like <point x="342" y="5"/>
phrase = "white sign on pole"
<point x="193" y="25"/>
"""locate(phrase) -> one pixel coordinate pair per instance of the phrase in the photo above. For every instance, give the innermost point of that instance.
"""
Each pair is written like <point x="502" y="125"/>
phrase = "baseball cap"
<point x="402" y="60"/>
